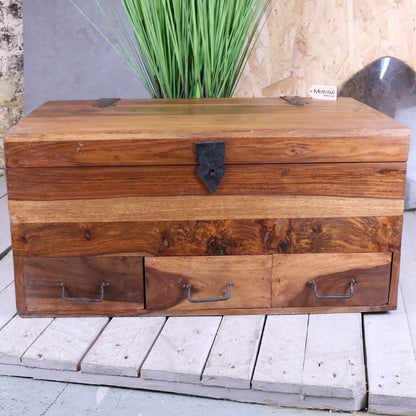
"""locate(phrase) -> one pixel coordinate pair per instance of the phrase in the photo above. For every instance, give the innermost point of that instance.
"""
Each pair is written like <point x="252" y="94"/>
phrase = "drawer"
<point x="73" y="285"/>
<point x="331" y="279"/>
<point x="217" y="282"/>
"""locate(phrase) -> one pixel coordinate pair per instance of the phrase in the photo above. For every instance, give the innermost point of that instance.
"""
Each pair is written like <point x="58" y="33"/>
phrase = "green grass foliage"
<point x="184" y="48"/>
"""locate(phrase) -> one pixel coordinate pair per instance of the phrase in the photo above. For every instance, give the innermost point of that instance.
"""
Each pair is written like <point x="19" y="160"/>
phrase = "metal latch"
<point x="106" y="102"/>
<point x="294" y="100"/>
<point x="211" y="167"/>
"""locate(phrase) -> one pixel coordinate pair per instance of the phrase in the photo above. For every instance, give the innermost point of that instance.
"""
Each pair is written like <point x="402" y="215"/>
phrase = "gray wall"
<point x="65" y="58"/>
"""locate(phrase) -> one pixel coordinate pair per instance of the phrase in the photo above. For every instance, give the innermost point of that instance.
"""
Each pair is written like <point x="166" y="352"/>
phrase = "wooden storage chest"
<point x="220" y="206"/>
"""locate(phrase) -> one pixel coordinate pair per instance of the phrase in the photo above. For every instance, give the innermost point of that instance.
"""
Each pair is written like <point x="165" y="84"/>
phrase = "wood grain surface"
<point x="332" y="273"/>
<point x="64" y="343"/>
<point x="7" y="305"/>
<point x="376" y="180"/>
<point x="234" y="352"/>
<point x="181" y="350"/>
<point x="238" y="116"/>
<point x="113" y="151"/>
<point x="123" y="346"/>
<point x="391" y="365"/>
<point x="229" y="237"/>
<point x="324" y="179"/>
<point x="334" y="357"/>
<point x="209" y="276"/>
<point x="6" y="270"/>
<point x="83" y="277"/>
<point x="255" y="131"/>
<point x="195" y="208"/>
<point x="18" y="335"/>
<point x="280" y="360"/>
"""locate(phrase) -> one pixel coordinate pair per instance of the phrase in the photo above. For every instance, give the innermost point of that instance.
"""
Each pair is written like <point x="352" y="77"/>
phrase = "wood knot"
<point x="214" y="247"/>
<point x="317" y="228"/>
<point x="283" y="247"/>
<point x="87" y="235"/>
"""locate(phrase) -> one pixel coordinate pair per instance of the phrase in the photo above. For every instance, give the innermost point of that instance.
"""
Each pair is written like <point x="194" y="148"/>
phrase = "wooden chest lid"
<point x="164" y="132"/>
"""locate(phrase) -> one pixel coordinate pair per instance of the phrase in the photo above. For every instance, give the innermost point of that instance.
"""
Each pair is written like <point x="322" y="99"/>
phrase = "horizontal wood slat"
<point x="206" y="207"/>
<point x="113" y="151"/>
<point x="376" y="180"/>
<point x="142" y="132"/>
<point x="173" y="238"/>
<point x="238" y="117"/>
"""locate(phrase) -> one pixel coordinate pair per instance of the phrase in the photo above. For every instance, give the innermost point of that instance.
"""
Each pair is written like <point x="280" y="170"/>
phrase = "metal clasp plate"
<point x="211" y="167"/>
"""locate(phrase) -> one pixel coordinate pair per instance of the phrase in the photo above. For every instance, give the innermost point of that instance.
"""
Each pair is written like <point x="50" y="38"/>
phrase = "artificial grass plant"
<point x="184" y="48"/>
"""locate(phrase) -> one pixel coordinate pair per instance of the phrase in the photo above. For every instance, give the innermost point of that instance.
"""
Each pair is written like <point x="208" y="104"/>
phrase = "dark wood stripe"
<point x="83" y="277"/>
<point x="384" y="180"/>
<point x="128" y="151"/>
<point x="332" y="274"/>
<point x="236" y="237"/>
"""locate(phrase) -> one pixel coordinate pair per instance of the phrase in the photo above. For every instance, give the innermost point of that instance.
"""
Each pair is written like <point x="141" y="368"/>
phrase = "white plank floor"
<point x="336" y="361"/>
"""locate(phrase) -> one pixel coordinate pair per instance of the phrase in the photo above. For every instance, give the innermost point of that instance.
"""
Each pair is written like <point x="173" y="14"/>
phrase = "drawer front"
<point x="197" y="283"/>
<point x="73" y="285"/>
<point x="331" y="279"/>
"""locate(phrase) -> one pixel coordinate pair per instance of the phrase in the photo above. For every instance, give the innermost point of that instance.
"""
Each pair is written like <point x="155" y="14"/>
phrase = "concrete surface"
<point x="27" y="397"/>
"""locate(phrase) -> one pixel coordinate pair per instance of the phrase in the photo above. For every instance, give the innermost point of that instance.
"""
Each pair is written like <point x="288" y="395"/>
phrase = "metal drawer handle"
<point x="100" y="299"/>
<point x="315" y="291"/>
<point x="188" y="286"/>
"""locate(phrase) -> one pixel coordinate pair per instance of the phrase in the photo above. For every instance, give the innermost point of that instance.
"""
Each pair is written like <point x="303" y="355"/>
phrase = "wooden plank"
<point x="6" y="270"/>
<point x="332" y="274"/>
<point x="237" y="116"/>
<point x="205" y="207"/>
<point x="234" y="352"/>
<point x="18" y="335"/>
<point x="123" y="346"/>
<point x="279" y="365"/>
<point x="208" y="238"/>
<point x="7" y="305"/>
<point x="83" y="278"/>
<point x="5" y="239"/>
<point x="19" y="285"/>
<point x="124" y="150"/>
<point x="62" y="134"/>
<point x="64" y="343"/>
<point x="391" y="364"/>
<point x="210" y="277"/>
<point x="375" y="180"/>
<point x="394" y="280"/>
<point x="334" y="358"/>
<point x="181" y="350"/>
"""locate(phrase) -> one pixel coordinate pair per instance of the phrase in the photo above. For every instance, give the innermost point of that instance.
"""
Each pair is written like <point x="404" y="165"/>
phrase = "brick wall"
<point x="11" y="67"/>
